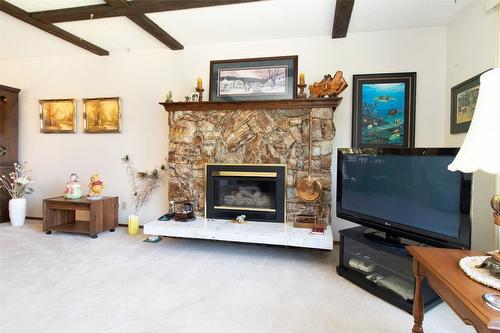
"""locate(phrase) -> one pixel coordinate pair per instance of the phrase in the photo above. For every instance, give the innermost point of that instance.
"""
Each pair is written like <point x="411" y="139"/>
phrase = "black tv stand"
<point x="381" y="267"/>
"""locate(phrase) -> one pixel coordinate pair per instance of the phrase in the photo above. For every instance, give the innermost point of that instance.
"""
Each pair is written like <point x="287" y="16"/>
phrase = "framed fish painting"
<point x="383" y="110"/>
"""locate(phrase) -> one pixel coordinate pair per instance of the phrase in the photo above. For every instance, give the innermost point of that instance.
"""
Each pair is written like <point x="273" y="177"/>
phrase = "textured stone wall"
<point x="256" y="136"/>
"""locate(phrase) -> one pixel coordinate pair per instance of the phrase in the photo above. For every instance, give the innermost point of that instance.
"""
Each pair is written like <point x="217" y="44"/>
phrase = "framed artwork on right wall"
<point x="463" y="103"/>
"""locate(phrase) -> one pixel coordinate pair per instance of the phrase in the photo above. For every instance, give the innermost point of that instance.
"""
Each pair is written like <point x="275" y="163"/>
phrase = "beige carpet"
<point x="116" y="283"/>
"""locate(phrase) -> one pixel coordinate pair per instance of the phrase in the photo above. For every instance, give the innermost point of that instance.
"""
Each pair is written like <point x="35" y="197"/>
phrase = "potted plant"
<point x="144" y="184"/>
<point x="17" y="184"/>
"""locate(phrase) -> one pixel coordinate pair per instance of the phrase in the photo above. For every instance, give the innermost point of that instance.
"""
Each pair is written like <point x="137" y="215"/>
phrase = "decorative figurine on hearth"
<point x="73" y="188"/>
<point x="240" y="219"/>
<point x="96" y="187"/>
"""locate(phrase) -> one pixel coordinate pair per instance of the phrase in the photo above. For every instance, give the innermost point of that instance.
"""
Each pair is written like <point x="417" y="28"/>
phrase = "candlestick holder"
<point x="301" y="93"/>
<point x="200" y="94"/>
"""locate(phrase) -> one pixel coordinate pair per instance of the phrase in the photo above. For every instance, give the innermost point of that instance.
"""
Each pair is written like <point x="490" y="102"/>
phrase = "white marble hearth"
<point x="250" y="232"/>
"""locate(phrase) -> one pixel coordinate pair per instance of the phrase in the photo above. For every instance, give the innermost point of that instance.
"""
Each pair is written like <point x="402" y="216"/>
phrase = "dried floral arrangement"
<point x="144" y="183"/>
<point x="17" y="183"/>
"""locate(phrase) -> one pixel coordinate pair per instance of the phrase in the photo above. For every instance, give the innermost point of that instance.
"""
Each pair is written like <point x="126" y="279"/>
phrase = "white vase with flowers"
<point x="17" y="184"/>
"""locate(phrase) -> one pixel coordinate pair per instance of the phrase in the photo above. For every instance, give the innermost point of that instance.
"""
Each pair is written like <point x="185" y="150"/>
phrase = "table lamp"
<point x="481" y="147"/>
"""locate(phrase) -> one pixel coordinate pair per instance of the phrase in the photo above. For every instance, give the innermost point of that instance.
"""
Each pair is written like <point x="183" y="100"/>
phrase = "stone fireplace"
<point x="255" y="190"/>
<point x="262" y="137"/>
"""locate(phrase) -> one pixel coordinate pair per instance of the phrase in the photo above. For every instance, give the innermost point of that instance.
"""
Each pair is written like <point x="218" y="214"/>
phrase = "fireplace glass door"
<point x="256" y="191"/>
<point x="245" y="194"/>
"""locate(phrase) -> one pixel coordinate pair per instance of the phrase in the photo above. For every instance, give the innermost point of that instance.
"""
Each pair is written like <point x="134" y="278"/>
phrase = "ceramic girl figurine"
<point x="73" y="188"/>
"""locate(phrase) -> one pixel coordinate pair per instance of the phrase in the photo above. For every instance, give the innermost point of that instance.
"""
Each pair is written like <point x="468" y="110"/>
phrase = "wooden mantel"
<point x="297" y="103"/>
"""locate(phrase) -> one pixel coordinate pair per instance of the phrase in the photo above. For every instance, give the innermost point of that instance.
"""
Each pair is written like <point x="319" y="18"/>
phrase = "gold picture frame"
<point x="58" y="115"/>
<point x="102" y="115"/>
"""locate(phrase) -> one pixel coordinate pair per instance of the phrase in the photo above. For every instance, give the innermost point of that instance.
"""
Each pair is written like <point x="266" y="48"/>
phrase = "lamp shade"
<point x="481" y="147"/>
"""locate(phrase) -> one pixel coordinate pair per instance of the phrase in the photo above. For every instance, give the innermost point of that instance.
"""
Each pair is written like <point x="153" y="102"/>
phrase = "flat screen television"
<point x="406" y="192"/>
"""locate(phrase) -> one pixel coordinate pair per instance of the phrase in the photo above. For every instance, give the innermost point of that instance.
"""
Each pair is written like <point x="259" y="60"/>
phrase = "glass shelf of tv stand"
<point x="388" y="278"/>
<point x="392" y="262"/>
<point x="389" y="267"/>
<point x="378" y="268"/>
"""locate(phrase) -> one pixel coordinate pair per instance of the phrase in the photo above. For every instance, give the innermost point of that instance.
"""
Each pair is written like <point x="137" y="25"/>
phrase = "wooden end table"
<point x="59" y="215"/>
<point x="461" y="293"/>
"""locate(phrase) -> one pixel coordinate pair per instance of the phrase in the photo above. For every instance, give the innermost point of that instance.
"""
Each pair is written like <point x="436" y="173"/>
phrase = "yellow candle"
<point x="302" y="79"/>
<point x="133" y="224"/>
<point x="199" y="83"/>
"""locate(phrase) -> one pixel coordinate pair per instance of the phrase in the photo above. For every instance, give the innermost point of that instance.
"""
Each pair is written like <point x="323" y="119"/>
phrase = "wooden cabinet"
<point x="8" y="140"/>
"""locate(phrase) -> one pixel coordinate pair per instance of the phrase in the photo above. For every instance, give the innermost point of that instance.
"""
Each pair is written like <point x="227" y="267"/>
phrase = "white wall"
<point x="472" y="44"/>
<point x="422" y="52"/>
<point x="141" y="78"/>
<point x="137" y="79"/>
<point x="471" y="49"/>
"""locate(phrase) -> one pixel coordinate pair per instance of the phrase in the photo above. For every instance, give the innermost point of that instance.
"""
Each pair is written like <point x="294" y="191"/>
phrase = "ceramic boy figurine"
<point x="96" y="187"/>
<point x="73" y="188"/>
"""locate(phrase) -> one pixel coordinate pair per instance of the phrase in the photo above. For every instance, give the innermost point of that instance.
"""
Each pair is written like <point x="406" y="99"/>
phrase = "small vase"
<point x="133" y="224"/>
<point x="17" y="211"/>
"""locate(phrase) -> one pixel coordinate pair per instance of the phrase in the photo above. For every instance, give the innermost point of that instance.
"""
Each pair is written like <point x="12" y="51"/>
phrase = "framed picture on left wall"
<point x="102" y="115"/>
<point x="58" y="115"/>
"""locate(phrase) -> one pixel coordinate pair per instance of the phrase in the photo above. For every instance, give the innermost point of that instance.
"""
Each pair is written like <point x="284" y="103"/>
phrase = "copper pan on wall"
<point x="309" y="189"/>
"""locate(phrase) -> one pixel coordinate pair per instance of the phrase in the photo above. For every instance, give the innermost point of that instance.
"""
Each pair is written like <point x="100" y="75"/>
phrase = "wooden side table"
<point x="59" y="215"/>
<point x="462" y="294"/>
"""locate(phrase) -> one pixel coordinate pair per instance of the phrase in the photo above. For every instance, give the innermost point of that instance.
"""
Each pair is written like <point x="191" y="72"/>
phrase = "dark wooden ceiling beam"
<point x="24" y="16"/>
<point x="132" y="8"/>
<point x="343" y="11"/>
<point x="148" y="25"/>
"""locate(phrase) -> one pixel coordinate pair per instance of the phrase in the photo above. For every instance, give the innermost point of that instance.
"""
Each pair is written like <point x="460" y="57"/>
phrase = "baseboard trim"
<point x="126" y="225"/>
<point x="41" y="218"/>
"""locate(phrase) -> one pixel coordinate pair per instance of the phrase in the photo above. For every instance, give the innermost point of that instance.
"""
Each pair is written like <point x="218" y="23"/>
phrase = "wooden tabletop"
<point x="83" y="199"/>
<point x="444" y="265"/>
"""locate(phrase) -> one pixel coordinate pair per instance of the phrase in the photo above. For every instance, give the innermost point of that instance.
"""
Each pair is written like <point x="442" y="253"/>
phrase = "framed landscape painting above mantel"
<point x="383" y="112"/>
<point x="463" y="103"/>
<point x="253" y="79"/>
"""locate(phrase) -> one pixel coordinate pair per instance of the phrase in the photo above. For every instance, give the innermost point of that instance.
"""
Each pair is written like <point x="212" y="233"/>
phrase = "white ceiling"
<point x="222" y="24"/>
